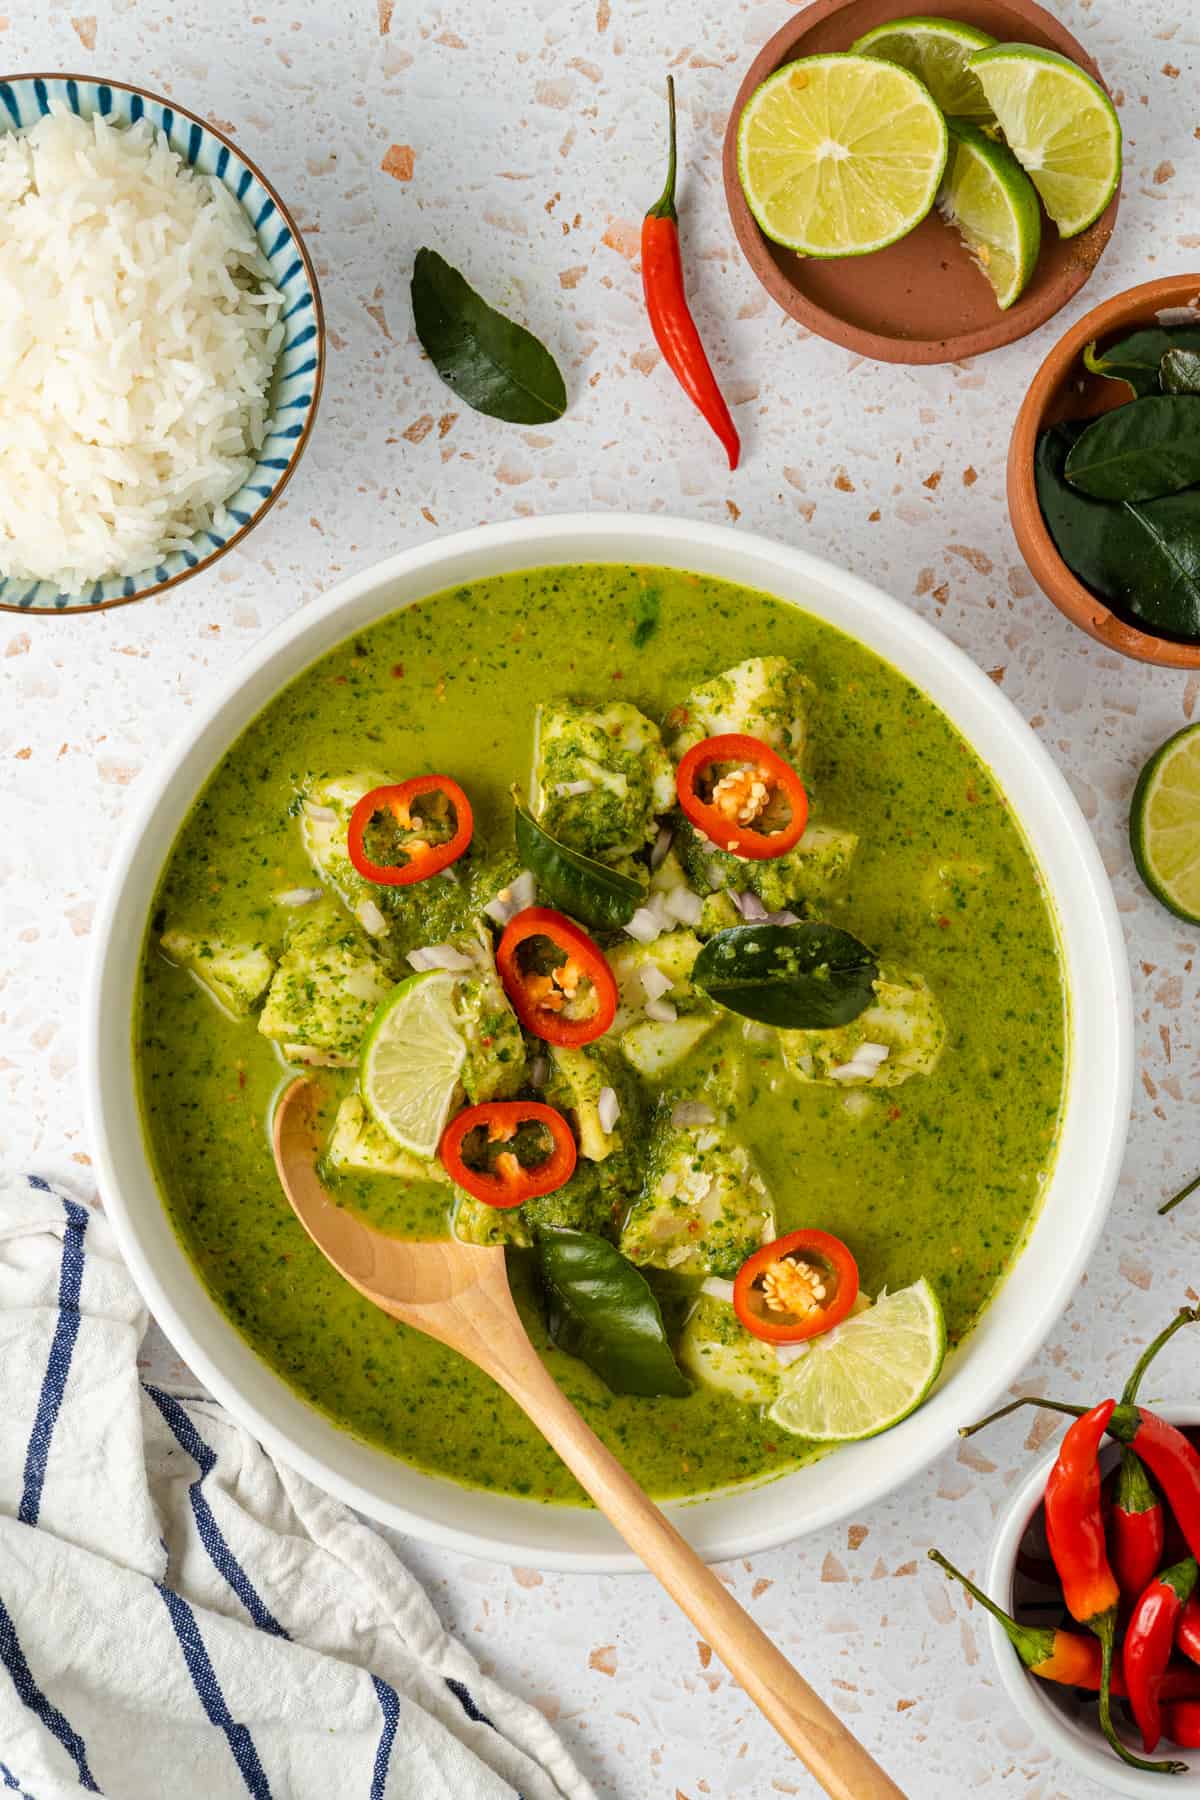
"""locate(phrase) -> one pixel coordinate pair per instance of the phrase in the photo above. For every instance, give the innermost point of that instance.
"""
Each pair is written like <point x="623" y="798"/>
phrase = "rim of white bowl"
<point x="1083" y="1747"/>
<point x="744" y="1520"/>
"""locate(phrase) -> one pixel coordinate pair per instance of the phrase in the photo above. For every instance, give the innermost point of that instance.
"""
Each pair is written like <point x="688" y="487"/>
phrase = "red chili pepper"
<point x="501" y="1178"/>
<point x="557" y="977"/>
<point x="1182" y="1724"/>
<point x="1075" y="1534"/>
<point x="1148" y="1643"/>
<point x="754" y="781"/>
<point x="1187" y="1632"/>
<point x="1074" y="1528"/>
<point x="666" y="303"/>
<point x="422" y="857"/>
<point x="797" y="1287"/>
<point x="1063" y="1656"/>
<point x="1136" y="1529"/>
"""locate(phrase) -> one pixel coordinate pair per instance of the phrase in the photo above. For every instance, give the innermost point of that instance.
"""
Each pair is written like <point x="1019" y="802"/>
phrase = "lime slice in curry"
<point x="867" y="1373"/>
<point x="1059" y="124"/>
<point x="989" y="199"/>
<point x="1164" y="824"/>
<point x="840" y="155"/>
<point x="411" y="1061"/>
<point x="936" y="51"/>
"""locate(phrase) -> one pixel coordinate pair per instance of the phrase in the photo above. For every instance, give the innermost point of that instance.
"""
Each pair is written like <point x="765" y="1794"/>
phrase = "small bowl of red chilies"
<point x="1096" y="1564"/>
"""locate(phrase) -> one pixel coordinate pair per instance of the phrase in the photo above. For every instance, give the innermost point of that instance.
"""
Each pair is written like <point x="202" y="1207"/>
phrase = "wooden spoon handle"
<point x="827" y="1749"/>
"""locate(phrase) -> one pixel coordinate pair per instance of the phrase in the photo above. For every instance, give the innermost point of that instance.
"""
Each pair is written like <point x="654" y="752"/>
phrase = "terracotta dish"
<point x="1063" y="389"/>
<point x="921" y="300"/>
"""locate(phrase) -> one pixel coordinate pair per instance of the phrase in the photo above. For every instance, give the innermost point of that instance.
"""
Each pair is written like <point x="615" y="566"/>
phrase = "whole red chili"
<point x="757" y="788"/>
<point x="1075" y="1534"/>
<point x="422" y="856"/>
<point x="1136" y="1529"/>
<point x="1187" y="1632"/>
<point x="557" y="977"/>
<point x="1149" y="1640"/>
<point x="1182" y="1724"/>
<point x="666" y="303"/>
<point x="1074" y="1527"/>
<point x="491" y="1168"/>
<point x="1063" y="1656"/>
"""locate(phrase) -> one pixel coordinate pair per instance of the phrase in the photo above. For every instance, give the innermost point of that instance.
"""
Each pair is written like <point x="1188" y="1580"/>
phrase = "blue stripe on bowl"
<point x="25" y="99"/>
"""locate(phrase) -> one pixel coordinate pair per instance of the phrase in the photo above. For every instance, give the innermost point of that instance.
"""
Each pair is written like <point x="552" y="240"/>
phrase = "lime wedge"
<point x="411" y="1061"/>
<point x="936" y="51"/>
<point x="1164" y="824"/>
<point x="868" y="1373"/>
<point x="840" y="155"/>
<point x="989" y="199"/>
<point x="1059" y="124"/>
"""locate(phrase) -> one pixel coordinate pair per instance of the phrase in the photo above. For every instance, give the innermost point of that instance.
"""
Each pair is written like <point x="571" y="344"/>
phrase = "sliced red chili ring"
<point x="732" y="786"/>
<point x="550" y="967"/>
<point x="482" y="1149"/>
<point x="423" y="856"/>
<point x="799" y="1286"/>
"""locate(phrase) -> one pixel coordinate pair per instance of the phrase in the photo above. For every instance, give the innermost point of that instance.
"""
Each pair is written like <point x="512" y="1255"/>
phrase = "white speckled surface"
<point x="522" y="138"/>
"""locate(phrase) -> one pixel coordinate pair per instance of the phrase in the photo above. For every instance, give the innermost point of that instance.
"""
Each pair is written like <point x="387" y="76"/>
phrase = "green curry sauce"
<point x="939" y="1177"/>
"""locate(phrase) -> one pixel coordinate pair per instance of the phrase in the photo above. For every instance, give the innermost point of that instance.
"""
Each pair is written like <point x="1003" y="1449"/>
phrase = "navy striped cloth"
<point x="179" y="1615"/>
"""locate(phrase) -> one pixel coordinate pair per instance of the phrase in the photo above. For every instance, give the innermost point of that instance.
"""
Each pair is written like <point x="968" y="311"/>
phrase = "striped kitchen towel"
<point x="179" y="1615"/>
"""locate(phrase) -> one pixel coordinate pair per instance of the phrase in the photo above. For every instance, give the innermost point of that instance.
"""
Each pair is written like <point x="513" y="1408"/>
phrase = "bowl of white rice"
<point x="162" y="345"/>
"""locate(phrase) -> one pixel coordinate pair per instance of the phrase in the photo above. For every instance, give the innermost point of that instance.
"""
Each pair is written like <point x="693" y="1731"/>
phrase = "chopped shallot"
<point x="513" y="899"/>
<point x="783" y="918"/>
<point x="865" y="1063"/>
<point x="440" y="956"/>
<point x="661" y="1011"/>
<point x="608" y="1108"/>
<point x="692" y="1112"/>
<point x="655" y="981"/>
<point x="717" y="1289"/>
<point x="662" y="844"/>
<point x="370" y="918"/>
<point x="750" y="907"/>
<point x="683" y="905"/>
<point x="644" y="926"/>
<point x="316" y="811"/>
<point x="567" y="790"/>
<point x="539" y="1068"/>
<point x="298" y="896"/>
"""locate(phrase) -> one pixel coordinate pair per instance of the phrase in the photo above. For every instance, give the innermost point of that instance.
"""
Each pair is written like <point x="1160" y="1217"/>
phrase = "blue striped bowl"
<point x="299" y="371"/>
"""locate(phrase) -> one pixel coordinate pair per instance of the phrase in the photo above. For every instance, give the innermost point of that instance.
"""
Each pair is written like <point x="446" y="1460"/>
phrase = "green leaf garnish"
<point x="1140" y="451"/>
<point x="1136" y="359"/>
<point x="1143" y="557"/>
<point x="805" y="977"/>
<point x="602" y="1310"/>
<point x="577" y="884"/>
<point x="492" y="363"/>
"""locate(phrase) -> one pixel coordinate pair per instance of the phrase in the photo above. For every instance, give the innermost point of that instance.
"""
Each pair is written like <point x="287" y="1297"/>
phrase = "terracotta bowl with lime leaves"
<point x="921" y="184"/>
<point x="1067" y="390"/>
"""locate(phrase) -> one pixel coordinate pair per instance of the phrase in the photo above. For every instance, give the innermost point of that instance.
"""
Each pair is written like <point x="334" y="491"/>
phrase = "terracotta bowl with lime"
<point x="975" y="159"/>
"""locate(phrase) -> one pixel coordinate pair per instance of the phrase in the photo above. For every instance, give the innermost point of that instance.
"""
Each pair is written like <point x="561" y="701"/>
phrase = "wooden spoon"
<point x="459" y="1294"/>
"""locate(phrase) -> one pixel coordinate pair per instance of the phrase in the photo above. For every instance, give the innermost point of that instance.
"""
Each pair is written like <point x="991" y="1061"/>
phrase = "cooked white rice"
<point x="138" y="332"/>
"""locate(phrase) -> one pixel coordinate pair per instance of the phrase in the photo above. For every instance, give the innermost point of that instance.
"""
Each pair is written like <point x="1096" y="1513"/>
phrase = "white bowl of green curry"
<point x="970" y="872"/>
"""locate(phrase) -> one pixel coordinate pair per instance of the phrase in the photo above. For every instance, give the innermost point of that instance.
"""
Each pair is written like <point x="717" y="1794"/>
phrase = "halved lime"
<point x="867" y="1373"/>
<point x="840" y="155"/>
<point x="989" y="199"/>
<point x="1059" y="124"/>
<point x="936" y="51"/>
<point x="1164" y="824"/>
<point x="411" y="1061"/>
